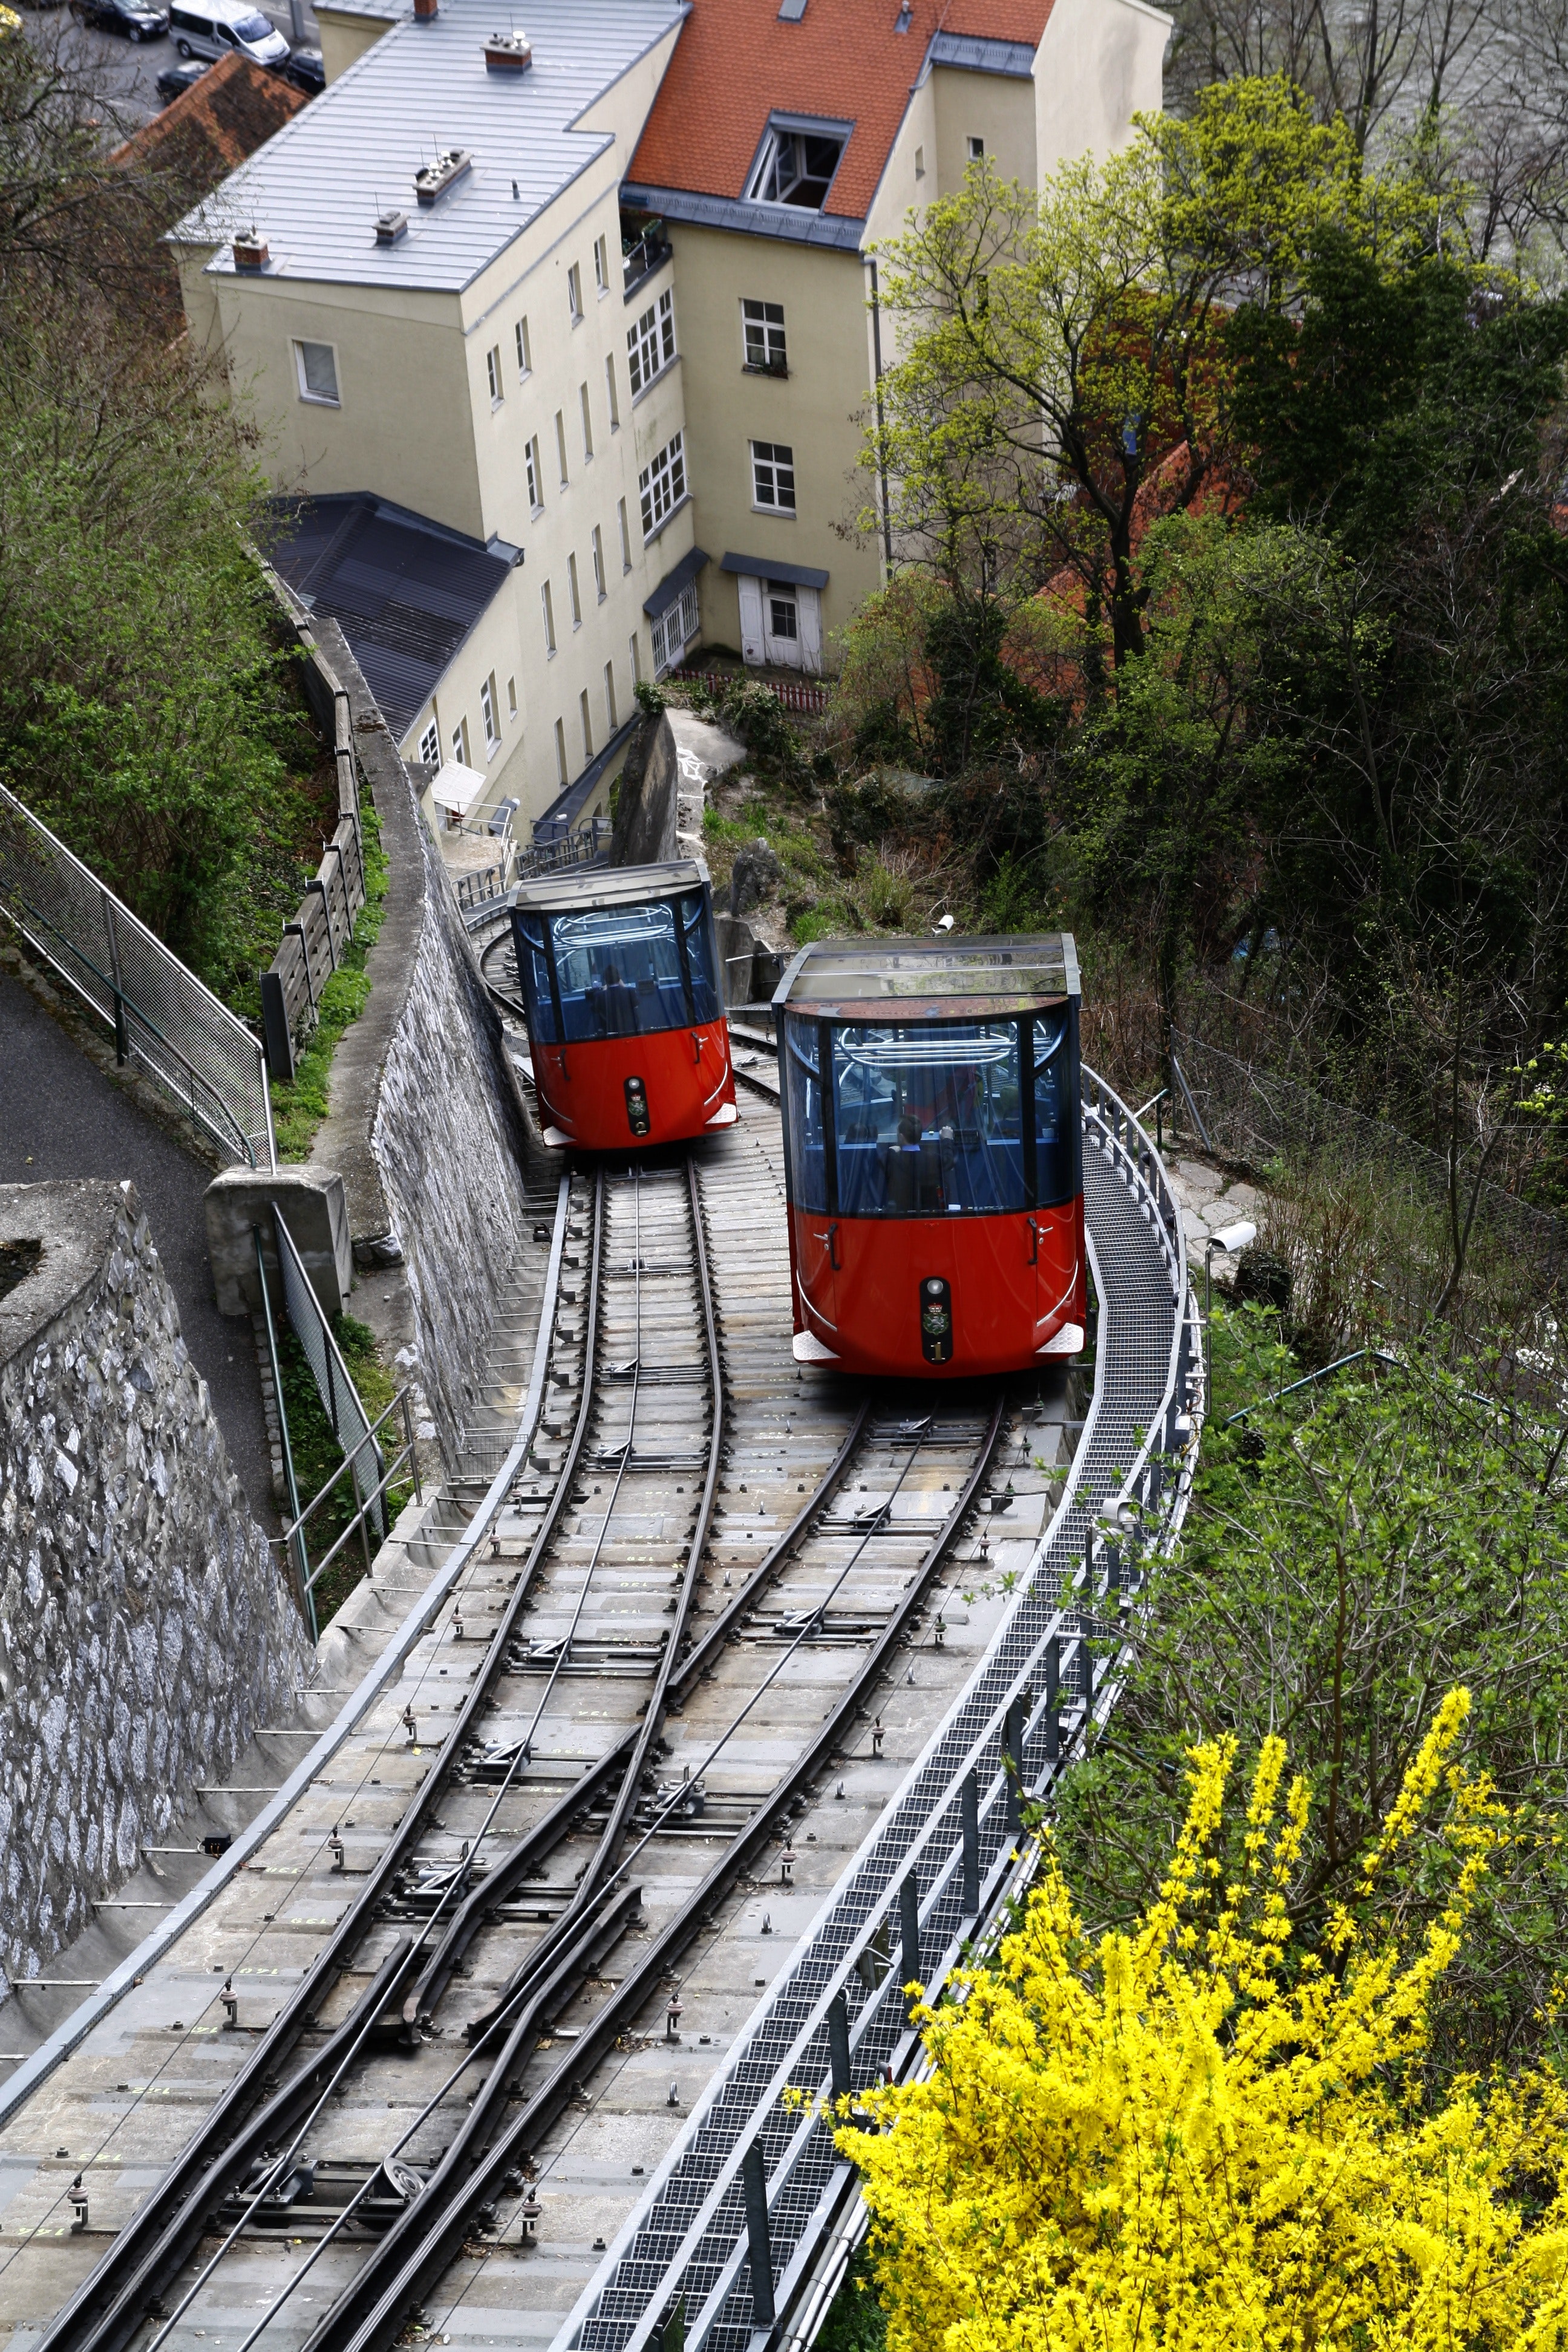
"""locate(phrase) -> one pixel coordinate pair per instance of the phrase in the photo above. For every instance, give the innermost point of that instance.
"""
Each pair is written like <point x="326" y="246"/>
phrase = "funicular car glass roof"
<point x="609" y="885"/>
<point x="929" y="978"/>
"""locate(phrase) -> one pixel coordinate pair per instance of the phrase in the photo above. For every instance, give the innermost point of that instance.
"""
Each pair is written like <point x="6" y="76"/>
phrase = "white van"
<point x="211" y="28"/>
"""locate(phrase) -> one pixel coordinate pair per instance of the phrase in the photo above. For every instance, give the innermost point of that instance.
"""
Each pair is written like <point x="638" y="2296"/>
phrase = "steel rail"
<point x="109" y="2306"/>
<point x="448" y="2182"/>
<point x="696" y="1661"/>
<point x="363" y="2325"/>
<point x="1138" y="1437"/>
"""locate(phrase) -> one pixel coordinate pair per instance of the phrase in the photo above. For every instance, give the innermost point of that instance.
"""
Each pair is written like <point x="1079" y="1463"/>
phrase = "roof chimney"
<point x="390" y="227"/>
<point x="433" y="180"/>
<point x="250" y="249"/>
<point x="508" y="53"/>
<point x="426" y="11"/>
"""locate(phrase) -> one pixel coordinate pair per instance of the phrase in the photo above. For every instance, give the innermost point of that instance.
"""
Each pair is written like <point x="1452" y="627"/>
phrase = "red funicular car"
<point x="626" y="1018"/>
<point x="933" y="1156"/>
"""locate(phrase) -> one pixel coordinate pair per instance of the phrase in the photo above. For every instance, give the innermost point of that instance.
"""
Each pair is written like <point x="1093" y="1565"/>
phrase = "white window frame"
<point x="770" y="461"/>
<point x="587" y="424"/>
<point x="572" y="584"/>
<point x="615" y="398"/>
<point x="625" y="535"/>
<point x="487" y="713"/>
<point x="762" y="340"/>
<point x="317" y="399"/>
<point x="533" y="469"/>
<point x="430" y="746"/>
<point x="661" y="486"/>
<point x="601" y="266"/>
<point x="511" y="697"/>
<point x="460" y="742"/>
<point x="574" y="292"/>
<point x="524" y="349"/>
<point x="561" y="446"/>
<point x="651" y="344"/>
<point x="492" y="370"/>
<point x="781" y="134"/>
<point x="636" y="658"/>
<point x="560" y="768"/>
<point x="548" y="603"/>
<point x="976" y="149"/>
<point x="586" y="716"/>
<point x="610" y="695"/>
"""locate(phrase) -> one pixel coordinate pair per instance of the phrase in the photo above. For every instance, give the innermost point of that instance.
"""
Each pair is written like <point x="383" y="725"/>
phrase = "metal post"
<point x="301" y="1558"/>
<point x="969" y="1807"/>
<point x="755" y="2181"/>
<point x="838" y="2045"/>
<point x="1053" y="1699"/>
<point x="909" y="1929"/>
<point x="1013" y="1764"/>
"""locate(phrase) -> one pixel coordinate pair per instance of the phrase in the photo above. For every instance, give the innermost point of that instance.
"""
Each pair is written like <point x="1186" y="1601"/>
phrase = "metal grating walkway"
<point x="684" y="2254"/>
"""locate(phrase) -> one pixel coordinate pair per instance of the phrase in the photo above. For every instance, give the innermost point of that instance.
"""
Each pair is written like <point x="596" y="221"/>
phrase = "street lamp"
<point x="1230" y="1240"/>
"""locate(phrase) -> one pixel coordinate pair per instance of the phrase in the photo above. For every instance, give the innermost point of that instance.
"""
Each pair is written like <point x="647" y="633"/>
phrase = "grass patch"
<point x="297" y="1109"/>
<point x="316" y="1454"/>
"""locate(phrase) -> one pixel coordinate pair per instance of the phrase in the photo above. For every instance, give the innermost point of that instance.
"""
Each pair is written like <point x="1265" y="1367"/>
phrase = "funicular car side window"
<point x="699" y="956"/>
<point x="928" y="1118"/>
<point x="534" y="971"/>
<point x="618" y="971"/>
<point x="1056" y="1159"/>
<point x="803" y="1094"/>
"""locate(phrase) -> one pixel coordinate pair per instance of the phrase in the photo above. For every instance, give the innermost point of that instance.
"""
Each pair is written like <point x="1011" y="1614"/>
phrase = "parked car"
<point x="175" y="81"/>
<point x="211" y="28"/>
<point x="136" y="19"/>
<point x="306" y="70"/>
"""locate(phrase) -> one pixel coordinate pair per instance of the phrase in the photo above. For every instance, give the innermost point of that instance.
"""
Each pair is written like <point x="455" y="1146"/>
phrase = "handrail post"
<point x="301" y="1558"/>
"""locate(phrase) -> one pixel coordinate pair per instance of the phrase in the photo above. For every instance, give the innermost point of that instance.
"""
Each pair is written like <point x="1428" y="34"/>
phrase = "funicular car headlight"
<point x="936" y="1320"/>
<point x="638" y="1116"/>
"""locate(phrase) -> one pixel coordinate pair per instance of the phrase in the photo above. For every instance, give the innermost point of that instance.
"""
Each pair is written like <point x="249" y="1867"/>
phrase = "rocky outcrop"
<point x="145" y="1630"/>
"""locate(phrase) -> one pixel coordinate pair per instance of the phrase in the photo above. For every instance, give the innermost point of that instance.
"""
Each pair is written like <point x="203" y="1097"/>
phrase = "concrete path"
<point x="61" y="1117"/>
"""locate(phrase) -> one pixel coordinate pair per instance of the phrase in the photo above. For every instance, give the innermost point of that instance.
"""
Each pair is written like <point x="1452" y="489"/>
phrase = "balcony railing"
<point x="649" y="252"/>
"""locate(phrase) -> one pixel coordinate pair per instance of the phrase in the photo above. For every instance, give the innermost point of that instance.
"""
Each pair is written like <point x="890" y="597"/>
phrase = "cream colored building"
<point x="599" y="303"/>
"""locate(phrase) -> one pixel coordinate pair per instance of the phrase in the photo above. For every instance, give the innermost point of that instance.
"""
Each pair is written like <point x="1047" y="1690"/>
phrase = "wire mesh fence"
<point x="1246" y="1112"/>
<point x="163" y="1020"/>
<point x="340" y="1398"/>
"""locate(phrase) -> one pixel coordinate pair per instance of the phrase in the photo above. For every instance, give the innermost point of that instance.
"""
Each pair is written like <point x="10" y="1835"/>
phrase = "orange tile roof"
<point x="216" y="124"/>
<point x="737" y="62"/>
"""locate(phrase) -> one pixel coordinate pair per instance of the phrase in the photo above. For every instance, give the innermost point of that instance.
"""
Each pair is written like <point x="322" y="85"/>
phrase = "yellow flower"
<point x="1195" y="2138"/>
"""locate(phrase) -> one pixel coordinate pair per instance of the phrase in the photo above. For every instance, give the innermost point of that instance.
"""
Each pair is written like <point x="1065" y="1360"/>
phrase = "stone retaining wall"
<point x="145" y="1632"/>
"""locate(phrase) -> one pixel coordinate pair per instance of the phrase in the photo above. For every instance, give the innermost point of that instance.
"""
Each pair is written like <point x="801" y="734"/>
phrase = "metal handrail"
<point x="123" y="1005"/>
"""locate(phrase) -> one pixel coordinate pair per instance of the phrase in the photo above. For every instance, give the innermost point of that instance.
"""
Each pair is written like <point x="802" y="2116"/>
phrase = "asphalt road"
<point x="61" y="1117"/>
<point x="124" y="73"/>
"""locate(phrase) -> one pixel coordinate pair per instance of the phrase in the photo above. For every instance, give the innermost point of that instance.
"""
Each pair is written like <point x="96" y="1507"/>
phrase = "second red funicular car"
<point x="626" y="1018"/>
<point x="933" y="1153"/>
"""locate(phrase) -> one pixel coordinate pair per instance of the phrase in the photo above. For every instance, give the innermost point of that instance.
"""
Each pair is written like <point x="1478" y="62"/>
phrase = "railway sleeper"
<point x="315" y="2193"/>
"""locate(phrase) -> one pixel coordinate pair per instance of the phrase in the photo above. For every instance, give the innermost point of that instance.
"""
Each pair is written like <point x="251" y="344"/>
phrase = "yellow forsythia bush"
<point x="1202" y="2138"/>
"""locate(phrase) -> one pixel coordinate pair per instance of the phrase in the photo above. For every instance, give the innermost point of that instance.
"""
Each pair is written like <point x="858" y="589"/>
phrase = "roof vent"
<point x="250" y="249"/>
<point x="904" y="18"/>
<point x="793" y="11"/>
<point x="433" y="180"/>
<point x="390" y="227"/>
<point x="426" y="11"/>
<point x="508" y="53"/>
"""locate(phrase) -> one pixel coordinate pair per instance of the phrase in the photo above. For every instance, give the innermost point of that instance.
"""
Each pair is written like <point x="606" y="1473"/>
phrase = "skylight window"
<point x="796" y="167"/>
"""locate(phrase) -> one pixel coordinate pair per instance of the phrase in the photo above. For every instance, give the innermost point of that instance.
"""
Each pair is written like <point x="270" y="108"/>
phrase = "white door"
<point x="751" y="646"/>
<point x="781" y="618"/>
<point x="809" y="607"/>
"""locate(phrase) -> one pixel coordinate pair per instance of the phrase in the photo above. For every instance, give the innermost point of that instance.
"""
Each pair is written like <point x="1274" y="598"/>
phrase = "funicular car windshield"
<point x="927" y="1118"/>
<point x="618" y="971"/>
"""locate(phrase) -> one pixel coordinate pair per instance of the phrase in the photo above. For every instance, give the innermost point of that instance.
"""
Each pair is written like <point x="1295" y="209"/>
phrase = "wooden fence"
<point x="312" y="944"/>
<point x="803" y="695"/>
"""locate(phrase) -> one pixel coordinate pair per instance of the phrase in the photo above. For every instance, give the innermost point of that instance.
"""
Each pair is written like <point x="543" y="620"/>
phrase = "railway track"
<point x="731" y="1662"/>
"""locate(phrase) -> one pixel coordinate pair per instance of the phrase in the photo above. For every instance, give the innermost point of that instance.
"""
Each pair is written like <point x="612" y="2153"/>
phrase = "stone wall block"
<point x="145" y="1632"/>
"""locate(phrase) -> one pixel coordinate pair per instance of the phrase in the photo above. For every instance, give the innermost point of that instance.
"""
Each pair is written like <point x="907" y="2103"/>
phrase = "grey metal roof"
<point x="973" y="54"/>
<point x="405" y="591"/>
<point x="314" y="191"/>
<point x="770" y="567"/>
<point x="835" y="973"/>
<point x="671" y="586"/>
<point x="610" y="886"/>
<point x="791" y="221"/>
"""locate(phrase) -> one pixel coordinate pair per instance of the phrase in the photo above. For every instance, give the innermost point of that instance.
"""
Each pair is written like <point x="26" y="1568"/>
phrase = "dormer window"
<point x="796" y="165"/>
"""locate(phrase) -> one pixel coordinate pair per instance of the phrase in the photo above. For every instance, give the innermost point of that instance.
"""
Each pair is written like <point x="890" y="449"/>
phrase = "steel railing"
<point x="164" y="1021"/>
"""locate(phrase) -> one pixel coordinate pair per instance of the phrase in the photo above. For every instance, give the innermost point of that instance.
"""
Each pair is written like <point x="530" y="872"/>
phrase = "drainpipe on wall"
<point x="881" y="465"/>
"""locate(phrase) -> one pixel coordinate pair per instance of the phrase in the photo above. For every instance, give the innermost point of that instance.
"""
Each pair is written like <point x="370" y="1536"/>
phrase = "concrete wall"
<point x="422" y="1123"/>
<point x="645" y="807"/>
<point x="144" y="1631"/>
